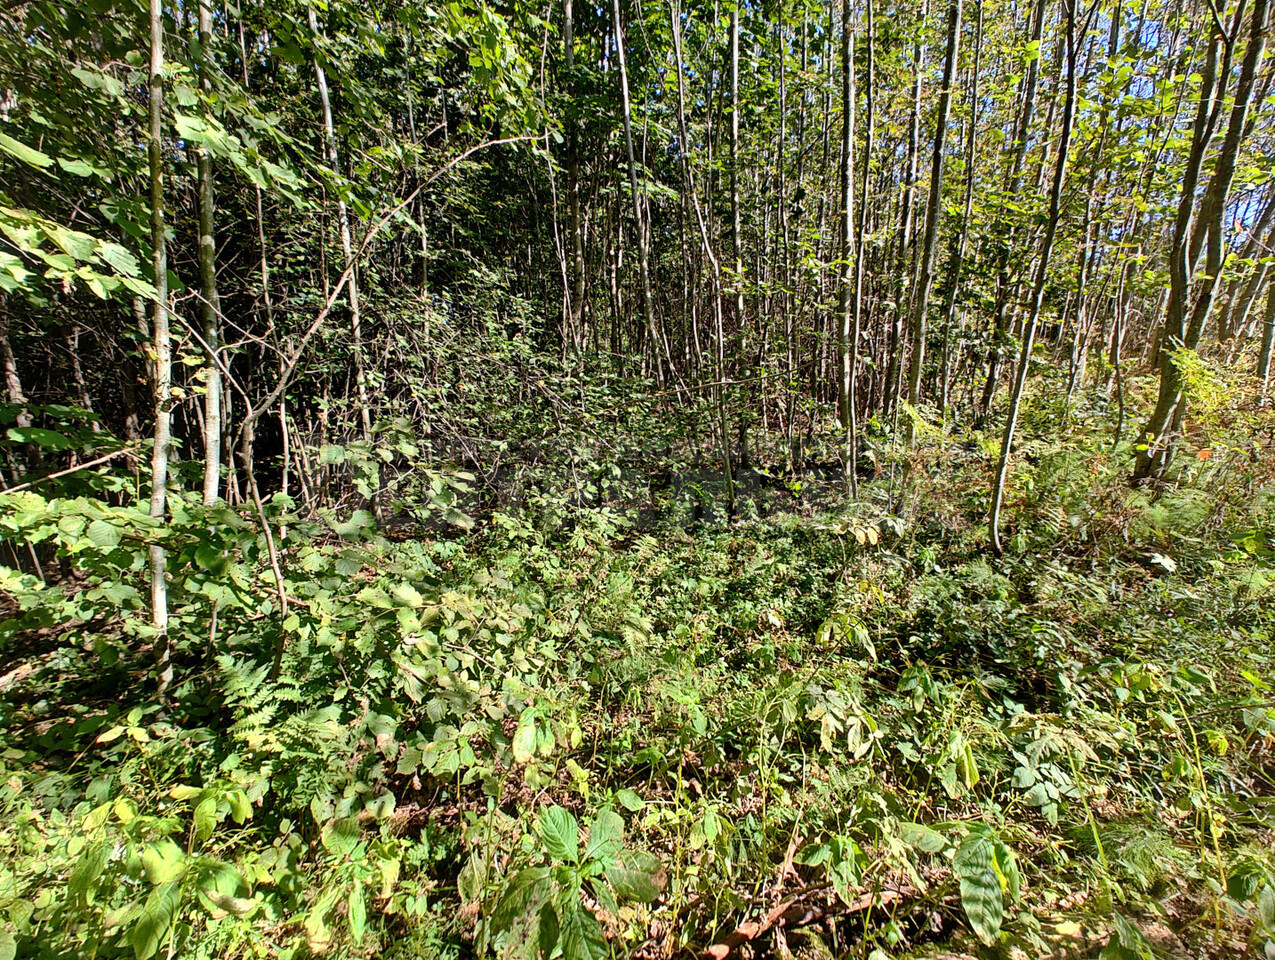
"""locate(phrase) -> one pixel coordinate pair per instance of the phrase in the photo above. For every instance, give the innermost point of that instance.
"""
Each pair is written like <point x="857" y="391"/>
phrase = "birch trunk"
<point x="162" y="347"/>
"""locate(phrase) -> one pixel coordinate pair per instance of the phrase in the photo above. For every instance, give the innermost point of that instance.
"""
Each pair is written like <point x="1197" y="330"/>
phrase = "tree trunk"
<point x="961" y="245"/>
<point x="1022" y="138"/>
<point x="575" y="227"/>
<point x="347" y="246"/>
<point x="1042" y="279"/>
<point x="1183" y="326"/>
<point x="860" y="248"/>
<point x="211" y="305"/>
<point x="162" y="347"/>
<point x="717" y="292"/>
<point x="903" y="271"/>
<point x="845" y="330"/>
<point x="648" y="304"/>
<point x="1268" y="334"/>
<point x="933" y="211"/>
<point x="736" y="239"/>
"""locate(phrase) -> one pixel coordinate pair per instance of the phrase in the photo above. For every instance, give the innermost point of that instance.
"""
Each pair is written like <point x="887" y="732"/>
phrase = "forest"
<point x="655" y="479"/>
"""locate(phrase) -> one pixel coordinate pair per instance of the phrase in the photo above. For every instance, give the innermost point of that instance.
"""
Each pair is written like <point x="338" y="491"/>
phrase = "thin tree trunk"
<point x="925" y="278"/>
<point x="1183" y="326"/>
<point x="162" y="347"/>
<point x="860" y="247"/>
<point x="1022" y="139"/>
<point x="845" y="331"/>
<point x="719" y="389"/>
<point x="12" y="381"/>
<point x="903" y="269"/>
<point x="347" y="247"/>
<point x="77" y="373"/>
<point x="575" y="226"/>
<point x="962" y="243"/>
<point x="648" y="304"/>
<point x="1268" y="334"/>
<point x="1042" y="279"/>
<point x="736" y="238"/>
<point x="211" y="305"/>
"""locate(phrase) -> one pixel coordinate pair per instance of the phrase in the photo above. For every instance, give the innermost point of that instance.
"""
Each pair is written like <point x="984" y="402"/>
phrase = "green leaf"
<point x="49" y="439"/>
<point x="154" y="920"/>
<point x="549" y="930"/>
<point x="382" y="807"/>
<point x="235" y="906"/>
<point x="1006" y="867"/>
<point x="23" y="152"/>
<point x="341" y="836"/>
<point x="205" y="818"/>
<point x="82" y="884"/>
<point x="813" y="854"/>
<point x="358" y="914"/>
<point x="163" y="861"/>
<point x="981" y="896"/>
<point x="119" y="258"/>
<point x="240" y="807"/>
<point x="923" y="838"/>
<point x="8" y="945"/>
<point x="1266" y="908"/>
<point x="103" y="534"/>
<point x="606" y="836"/>
<point x="525" y="890"/>
<point x="581" y="935"/>
<point x="629" y="800"/>
<point x="409" y="595"/>
<point x="561" y="834"/>
<point x="637" y="876"/>
<point x="211" y="559"/>
<point x="1127" y="942"/>
<point x="524" y="741"/>
<point x="359" y="521"/>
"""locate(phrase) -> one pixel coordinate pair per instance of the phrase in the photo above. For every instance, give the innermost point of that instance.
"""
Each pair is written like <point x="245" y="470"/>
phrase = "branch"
<point x="255" y="413"/>
<point x="123" y="452"/>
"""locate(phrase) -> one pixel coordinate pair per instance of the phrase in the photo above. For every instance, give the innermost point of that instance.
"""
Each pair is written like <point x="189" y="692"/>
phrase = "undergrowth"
<point x="845" y="734"/>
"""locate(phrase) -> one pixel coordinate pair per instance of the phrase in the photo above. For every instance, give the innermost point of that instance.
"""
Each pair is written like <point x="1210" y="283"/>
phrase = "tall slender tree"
<point x="1042" y="275"/>
<point x="661" y="364"/>
<point x="347" y="243"/>
<point x="161" y="345"/>
<point x="211" y="304"/>
<point x="933" y="210"/>
<point x="1199" y="220"/>
<point x="845" y="270"/>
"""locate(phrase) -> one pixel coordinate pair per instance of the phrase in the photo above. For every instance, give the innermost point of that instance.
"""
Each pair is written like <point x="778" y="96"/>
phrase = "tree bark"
<point x="1183" y="325"/>
<point x="575" y="226"/>
<point x="1042" y="279"/>
<point x="211" y="305"/>
<point x="347" y="246"/>
<point x="644" y="270"/>
<point x="933" y="211"/>
<point x="845" y="307"/>
<point x="162" y="348"/>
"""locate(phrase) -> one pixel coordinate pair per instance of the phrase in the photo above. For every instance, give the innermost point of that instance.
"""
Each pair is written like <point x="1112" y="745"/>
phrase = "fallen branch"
<point x="792" y="913"/>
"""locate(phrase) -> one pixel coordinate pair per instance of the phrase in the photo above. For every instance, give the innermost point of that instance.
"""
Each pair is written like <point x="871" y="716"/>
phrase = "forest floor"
<point x="850" y="733"/>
